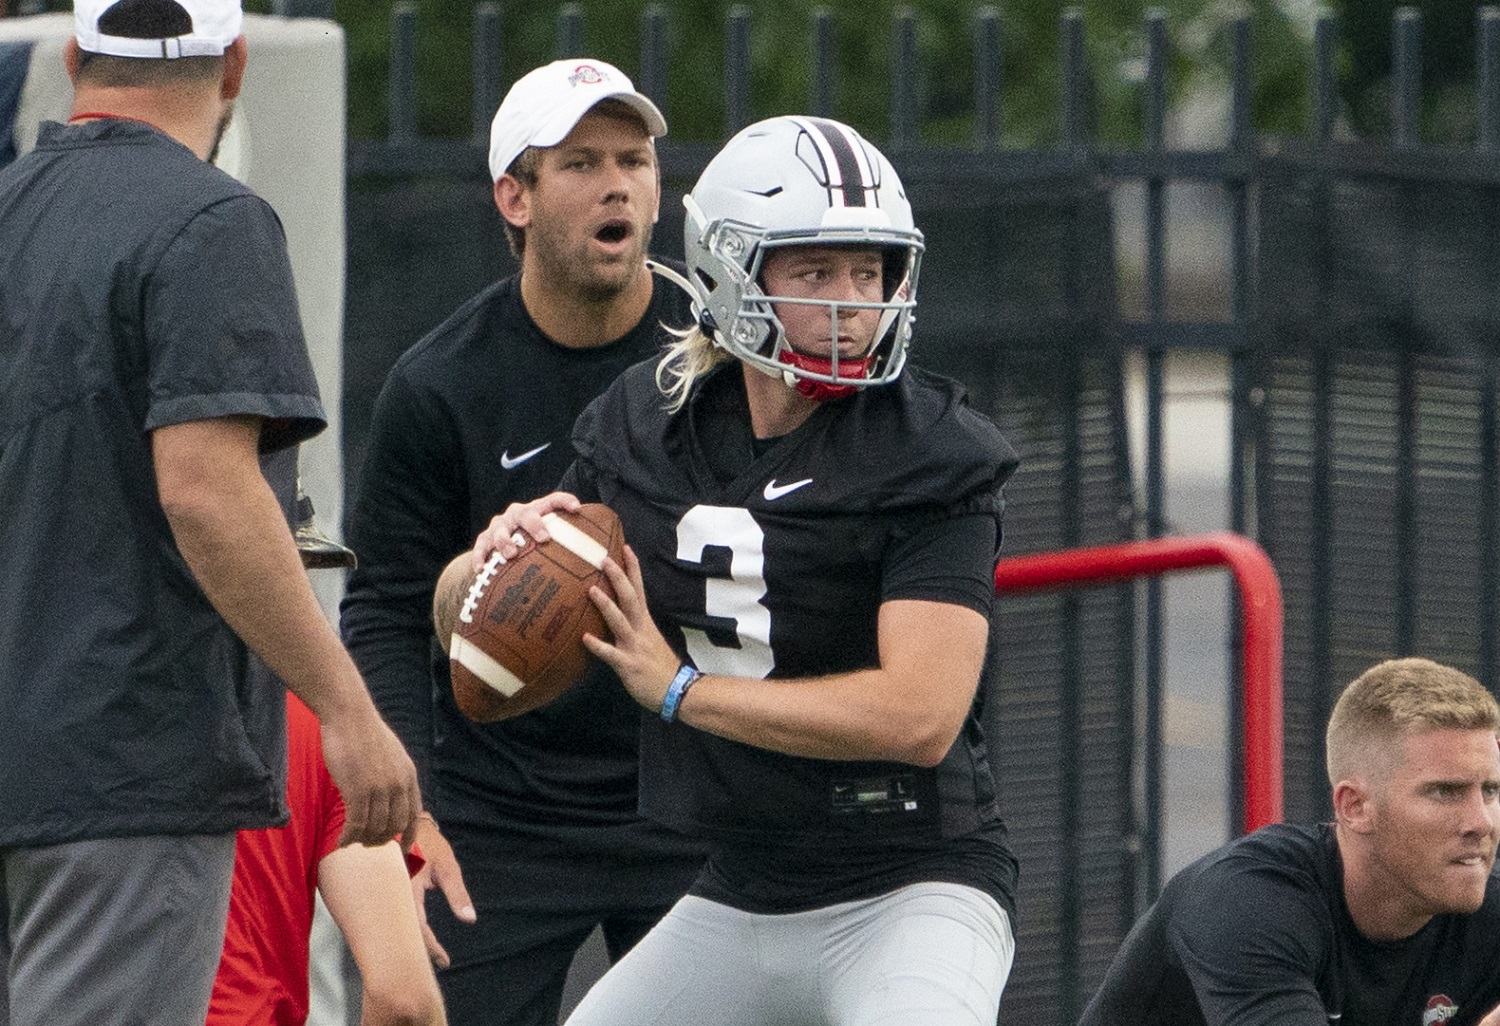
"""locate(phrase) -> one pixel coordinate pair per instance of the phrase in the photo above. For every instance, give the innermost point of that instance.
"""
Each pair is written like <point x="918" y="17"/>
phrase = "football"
<point x="514" y="631"/>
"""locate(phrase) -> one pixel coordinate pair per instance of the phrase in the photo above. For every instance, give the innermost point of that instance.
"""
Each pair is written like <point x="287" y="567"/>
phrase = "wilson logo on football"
<point x="514" y="630"/>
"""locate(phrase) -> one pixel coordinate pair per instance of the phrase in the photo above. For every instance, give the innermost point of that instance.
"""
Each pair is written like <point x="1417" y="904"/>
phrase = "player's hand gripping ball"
<point x="514" y="632"/>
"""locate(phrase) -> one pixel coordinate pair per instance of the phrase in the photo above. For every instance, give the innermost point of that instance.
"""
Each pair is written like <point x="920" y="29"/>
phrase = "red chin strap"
<point x="821" y="391"/>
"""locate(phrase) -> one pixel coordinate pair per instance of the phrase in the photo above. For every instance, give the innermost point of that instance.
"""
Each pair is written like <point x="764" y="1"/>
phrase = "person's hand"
<point x="374" y="775"/>
<point x="442" y="872"/>
<point x="509" y="531"/>
<point x="639" y="654"/>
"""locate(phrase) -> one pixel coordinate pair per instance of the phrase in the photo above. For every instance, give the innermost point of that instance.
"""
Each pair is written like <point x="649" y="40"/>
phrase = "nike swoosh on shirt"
<point x="775" y="491"/>
<point x="510" y="462"/>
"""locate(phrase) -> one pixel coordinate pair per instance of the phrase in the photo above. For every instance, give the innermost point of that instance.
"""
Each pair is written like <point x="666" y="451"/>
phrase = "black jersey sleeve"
<point x="222" y="327"/>
<point x="945" y="560"/>
<point x="1229" y="943"/>
<point x="404" y="527"/>
<point x="581" y="480"/>
<point x="1250" y="940"/>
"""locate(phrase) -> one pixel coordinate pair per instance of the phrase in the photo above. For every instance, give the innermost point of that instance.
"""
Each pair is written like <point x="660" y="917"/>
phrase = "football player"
<point x="803" y="612"/>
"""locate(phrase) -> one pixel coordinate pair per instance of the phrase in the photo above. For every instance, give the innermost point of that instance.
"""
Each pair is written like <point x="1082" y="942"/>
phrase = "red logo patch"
<point x="1440" y="1008"/>
<point x="587" y="74"/>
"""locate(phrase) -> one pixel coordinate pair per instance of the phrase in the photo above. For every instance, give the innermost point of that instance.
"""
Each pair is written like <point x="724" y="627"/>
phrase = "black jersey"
<point x="473" y="417"/>
<point x="773" y="561"/>
<point x="1257" y="932"/>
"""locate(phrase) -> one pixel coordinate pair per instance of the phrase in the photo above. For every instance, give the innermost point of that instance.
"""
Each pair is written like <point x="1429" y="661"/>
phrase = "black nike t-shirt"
<point x="1257" y="934"/>
<point x="473" y="417"/>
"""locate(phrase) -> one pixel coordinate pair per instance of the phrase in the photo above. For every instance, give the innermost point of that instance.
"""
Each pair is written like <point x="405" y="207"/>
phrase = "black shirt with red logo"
<point x="1257" y="932"/>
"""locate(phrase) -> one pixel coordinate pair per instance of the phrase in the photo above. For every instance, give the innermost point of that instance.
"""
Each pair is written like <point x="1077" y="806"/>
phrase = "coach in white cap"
<point x="152" y="356"/>
<point x="540" y="810"/>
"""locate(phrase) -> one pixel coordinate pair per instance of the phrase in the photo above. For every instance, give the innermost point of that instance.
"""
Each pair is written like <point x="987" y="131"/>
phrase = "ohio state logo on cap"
<point x="1440" y="1008"/>
<point x="587" y="74"/>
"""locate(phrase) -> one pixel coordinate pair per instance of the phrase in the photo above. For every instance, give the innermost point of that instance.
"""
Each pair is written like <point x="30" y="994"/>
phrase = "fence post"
<point x="1320" y="542"/>
<point x="988" y="72"/>
<point x="737" y="69"/>
<point x="904" y="127"/>
<point x="1406" y="78"/>
<point x="1155" y="483"/>
<point x="654" y="53"/>
<point x="1324" y="89"/>
<point x="1073" y="72"/>
<point x="1488" y="84"/>
<point x="403" y="71"/>
<point x="487" y="68"/>
<point x="823" y="100"/>
<point x="1242" y="146"/>
<point x="570" y="30"/>
<point x="1488" y="78"/>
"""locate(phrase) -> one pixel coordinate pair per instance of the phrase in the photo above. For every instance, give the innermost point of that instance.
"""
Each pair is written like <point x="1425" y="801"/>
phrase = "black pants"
<point x="538" y="898"/>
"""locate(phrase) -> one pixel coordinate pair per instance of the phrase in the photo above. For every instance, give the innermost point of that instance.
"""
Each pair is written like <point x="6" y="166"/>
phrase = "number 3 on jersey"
<point x="736" y="599"/>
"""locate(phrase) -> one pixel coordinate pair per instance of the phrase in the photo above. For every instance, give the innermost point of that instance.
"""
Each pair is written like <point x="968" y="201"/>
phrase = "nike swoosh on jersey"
<point x="510" y="462"/>
<point x="775" y="491"/>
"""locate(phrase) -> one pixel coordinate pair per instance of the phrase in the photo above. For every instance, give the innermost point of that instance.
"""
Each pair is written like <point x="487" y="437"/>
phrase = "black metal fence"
<point x="1361" y="334"/>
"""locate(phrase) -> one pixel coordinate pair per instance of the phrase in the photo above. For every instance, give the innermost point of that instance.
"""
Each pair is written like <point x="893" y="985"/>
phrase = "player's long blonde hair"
<point x="693" y="355"/>
<point x="1397" y="697"/>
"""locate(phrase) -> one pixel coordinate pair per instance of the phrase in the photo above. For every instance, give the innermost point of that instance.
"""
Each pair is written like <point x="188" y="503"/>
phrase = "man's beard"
<point x="588" y="286"/>
<point x="600" y="290"/>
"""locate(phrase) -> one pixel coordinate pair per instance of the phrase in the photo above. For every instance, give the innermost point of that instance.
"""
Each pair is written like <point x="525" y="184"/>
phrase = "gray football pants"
<point x="930" y="954"/>
<point x="116" y="931"/>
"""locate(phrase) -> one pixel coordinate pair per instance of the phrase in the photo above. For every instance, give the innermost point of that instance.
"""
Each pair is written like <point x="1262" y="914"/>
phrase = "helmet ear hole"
<point x="705" y="279"/>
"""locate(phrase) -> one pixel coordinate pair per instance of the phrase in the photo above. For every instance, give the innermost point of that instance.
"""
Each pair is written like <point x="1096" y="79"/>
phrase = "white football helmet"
<point x="791" y="181"/>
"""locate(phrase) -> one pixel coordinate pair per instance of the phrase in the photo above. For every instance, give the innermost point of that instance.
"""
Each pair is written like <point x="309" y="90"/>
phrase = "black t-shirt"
<point x="139" y="287"/>
<point x="775" y="564"/>
<point x="1257" y="933"/>
<point x="475" y="416"/>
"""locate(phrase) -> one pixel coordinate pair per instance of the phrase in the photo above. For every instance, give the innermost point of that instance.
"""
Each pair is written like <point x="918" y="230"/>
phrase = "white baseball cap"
<point x="208" y="26"/>
<point x="544" y="105"/>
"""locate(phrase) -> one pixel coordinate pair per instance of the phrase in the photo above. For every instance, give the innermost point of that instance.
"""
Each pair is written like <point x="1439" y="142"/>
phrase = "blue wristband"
<point x="686" y="678"/>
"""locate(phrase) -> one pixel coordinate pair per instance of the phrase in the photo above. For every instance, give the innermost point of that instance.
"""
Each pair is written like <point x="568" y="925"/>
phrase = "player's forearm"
<point x="386" y="1002"/>
<point x="909" y="709"/>
<point x="843" y="716"/>
<point x="370" y="898"/>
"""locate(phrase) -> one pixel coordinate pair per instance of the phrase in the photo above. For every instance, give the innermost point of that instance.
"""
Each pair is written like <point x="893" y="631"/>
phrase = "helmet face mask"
<point x="795" y="181"/>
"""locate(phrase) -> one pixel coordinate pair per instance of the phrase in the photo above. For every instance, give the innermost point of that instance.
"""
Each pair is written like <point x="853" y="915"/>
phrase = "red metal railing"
<point x="1261" y="619"/>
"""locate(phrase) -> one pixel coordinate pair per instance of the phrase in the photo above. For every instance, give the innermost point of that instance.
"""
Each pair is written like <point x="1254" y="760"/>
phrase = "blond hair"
<point x="1398" y="697"/>
<point x="693" y="355"/>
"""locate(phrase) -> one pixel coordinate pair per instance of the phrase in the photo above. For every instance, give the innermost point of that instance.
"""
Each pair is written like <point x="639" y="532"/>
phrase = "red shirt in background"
<point x="262" y="977"/>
